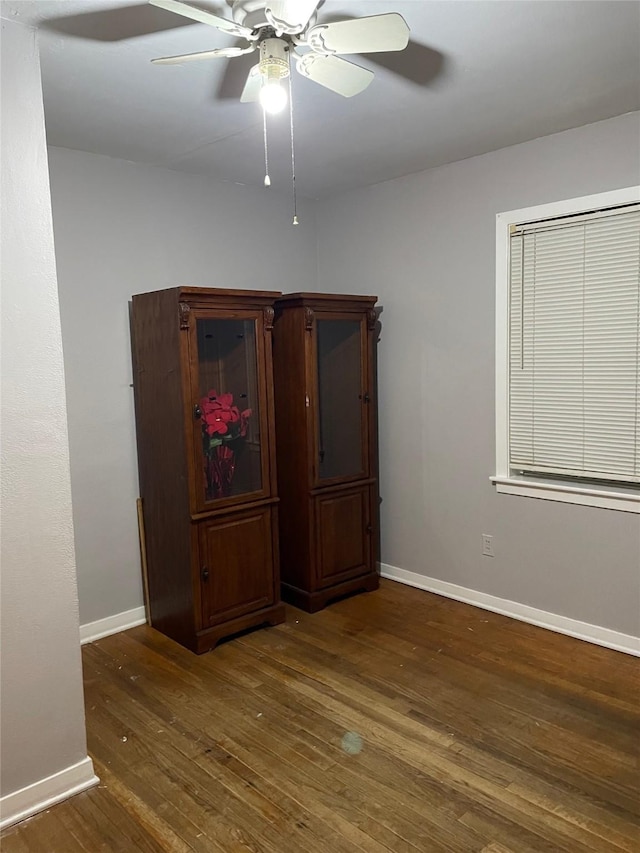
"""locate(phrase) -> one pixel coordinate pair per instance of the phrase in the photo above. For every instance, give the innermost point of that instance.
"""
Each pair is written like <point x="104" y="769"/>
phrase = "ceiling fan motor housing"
<point x="274" y="59"/>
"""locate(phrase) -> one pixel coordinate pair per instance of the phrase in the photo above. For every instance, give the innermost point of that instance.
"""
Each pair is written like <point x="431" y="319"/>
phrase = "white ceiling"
<point x="477" y="76"/>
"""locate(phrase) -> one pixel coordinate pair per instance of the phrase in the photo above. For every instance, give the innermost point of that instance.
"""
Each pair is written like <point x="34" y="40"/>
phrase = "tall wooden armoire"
<point x="326" y="428"/>
<point x="203" y="387"/>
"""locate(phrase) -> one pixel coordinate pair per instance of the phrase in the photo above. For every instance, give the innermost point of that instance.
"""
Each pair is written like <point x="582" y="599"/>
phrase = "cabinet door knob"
<point x="205" y="574"/>
<point x="369" y="528"/>
<point x="366" y="398"/>
<point x="197" y="412"/>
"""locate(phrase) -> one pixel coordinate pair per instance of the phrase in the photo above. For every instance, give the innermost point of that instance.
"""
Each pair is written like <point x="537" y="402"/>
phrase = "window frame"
<point x="609" y="496"/>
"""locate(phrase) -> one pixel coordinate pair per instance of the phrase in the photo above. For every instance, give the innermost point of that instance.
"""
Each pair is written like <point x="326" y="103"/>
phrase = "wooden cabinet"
<point x="324" y="369"/>
<point x="203" y="385"/>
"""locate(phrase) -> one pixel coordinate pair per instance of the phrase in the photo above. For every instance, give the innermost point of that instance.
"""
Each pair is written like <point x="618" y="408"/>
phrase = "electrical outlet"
<point x="487" y="545"/>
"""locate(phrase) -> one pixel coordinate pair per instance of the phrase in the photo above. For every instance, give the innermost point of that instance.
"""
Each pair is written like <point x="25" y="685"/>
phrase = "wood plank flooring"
<point x="393" y="721"/>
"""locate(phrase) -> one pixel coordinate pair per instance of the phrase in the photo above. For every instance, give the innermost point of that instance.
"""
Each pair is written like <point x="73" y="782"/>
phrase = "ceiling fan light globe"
<point x="273" y="97"/>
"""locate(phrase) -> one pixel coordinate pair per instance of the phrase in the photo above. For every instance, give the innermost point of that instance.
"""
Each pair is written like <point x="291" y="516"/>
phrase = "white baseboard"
<point x="112" y="624"/>
<point x="552" y="621"/>
<point x="47" y="792"/>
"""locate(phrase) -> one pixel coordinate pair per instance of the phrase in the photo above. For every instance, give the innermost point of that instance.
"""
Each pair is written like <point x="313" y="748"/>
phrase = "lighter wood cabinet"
<point x="324" y="373"/>
<point x="203" y="385"/>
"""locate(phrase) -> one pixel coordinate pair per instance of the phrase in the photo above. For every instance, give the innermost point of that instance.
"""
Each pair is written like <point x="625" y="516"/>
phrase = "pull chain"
<point x="267" y="179"/>
<point x="293" y="158"/>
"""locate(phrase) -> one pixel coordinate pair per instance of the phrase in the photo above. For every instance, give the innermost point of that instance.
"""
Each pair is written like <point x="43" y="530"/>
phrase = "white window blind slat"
<point x="574" y="347"/>
<point x="574" y="219"/>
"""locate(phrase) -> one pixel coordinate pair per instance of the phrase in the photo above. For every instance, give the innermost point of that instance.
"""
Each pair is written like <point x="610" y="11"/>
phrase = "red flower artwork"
<point x="222" y="423"/>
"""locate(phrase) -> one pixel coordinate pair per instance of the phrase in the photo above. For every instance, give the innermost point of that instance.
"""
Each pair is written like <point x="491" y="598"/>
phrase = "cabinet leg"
<point x="208" y="639"/>
<point x="311" y="602"/>
<point x="278" y="616"/>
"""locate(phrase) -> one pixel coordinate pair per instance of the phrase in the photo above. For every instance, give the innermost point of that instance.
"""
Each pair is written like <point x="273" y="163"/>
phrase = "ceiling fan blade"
<point x="361" y="35"/>
<point x="203" y="17"/>
<point x="334" y="73"/>
<point x="252" y="86"/>
<point x="220" y="52"/>
<point x="290" y="16"/>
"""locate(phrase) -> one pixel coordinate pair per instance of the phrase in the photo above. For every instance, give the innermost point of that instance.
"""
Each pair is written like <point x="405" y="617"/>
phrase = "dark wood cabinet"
<point x="203" y="384"/>
<point x="324" y="369"/>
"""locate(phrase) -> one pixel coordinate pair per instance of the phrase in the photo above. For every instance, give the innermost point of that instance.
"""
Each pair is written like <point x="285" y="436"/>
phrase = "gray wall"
<point x="425" y="244"/>
<point x="123" y="228"/>
<point x="42" y="705"/>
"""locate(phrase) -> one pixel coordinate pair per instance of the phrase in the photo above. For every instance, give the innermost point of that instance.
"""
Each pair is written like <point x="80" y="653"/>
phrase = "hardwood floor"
<point x="392" y="721"/>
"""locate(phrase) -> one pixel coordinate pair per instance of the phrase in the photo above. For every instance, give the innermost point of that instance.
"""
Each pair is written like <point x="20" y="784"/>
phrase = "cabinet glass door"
<point x="228" y="411"/>
<point x="341" y="451"/>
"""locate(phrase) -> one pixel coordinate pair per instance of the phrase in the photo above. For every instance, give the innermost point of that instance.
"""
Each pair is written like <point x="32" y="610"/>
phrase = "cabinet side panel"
<point x="291" y="444"/>
<point x="162" y="460"/>
<point x="374" y="329"/>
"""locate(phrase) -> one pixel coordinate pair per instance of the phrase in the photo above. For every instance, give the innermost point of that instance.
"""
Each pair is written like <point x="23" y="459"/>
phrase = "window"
<point x="568" y="351"/>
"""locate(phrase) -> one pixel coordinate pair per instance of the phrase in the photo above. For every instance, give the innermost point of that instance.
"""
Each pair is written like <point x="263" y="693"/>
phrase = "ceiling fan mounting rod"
<point x="256" y="14"/>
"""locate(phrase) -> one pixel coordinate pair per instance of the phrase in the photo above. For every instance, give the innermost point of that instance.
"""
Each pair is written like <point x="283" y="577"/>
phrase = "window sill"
<point x="550" y="491"/>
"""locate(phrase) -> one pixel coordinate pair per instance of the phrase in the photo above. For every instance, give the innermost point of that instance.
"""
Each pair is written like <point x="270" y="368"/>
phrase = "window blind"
<point x="574" y="346"/>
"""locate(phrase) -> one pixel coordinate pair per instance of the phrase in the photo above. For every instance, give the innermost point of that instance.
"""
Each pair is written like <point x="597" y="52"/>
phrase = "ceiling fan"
<point x="279" y="29"/>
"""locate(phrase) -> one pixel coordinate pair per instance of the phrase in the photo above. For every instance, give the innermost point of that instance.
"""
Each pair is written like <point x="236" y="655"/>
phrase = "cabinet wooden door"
<point x="343" y="534"/>
<point x="236" y="571"/>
